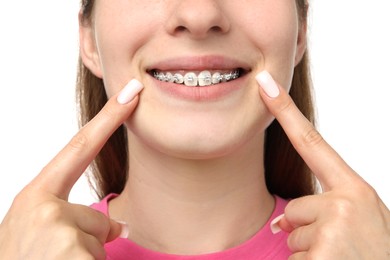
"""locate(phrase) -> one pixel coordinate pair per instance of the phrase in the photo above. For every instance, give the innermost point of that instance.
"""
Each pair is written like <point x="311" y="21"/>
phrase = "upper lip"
<point x="199" y="63"/>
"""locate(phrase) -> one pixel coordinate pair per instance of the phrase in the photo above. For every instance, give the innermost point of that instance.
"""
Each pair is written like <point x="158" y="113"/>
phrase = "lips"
<point x="199" y="78"/>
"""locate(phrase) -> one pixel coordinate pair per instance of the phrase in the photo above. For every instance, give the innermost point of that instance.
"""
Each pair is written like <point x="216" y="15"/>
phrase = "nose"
<point x="197" y="18"/>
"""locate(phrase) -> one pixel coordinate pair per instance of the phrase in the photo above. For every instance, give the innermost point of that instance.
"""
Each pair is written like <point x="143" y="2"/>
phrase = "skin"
<point x="332" y="225"/>
<point x="240" y="116"/>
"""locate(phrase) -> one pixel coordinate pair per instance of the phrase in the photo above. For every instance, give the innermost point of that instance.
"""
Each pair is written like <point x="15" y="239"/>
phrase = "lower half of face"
<point x="198" y="130"/>
<point x="200" y="99"/>
<point x="200" y="122"/>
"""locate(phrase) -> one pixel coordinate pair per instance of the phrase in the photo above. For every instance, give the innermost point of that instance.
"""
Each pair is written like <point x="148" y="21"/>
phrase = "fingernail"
<point x="129" y="92"/>
<point x="125" y="229"/>
<point x="268" y="84"/>
<point x="275" y="228"/>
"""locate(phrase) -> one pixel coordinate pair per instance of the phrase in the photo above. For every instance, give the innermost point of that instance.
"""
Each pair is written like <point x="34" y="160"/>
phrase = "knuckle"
<point x="49" y="212"/>
<point x="342" y="208"/>
<point x="79" y="142"/>
<point x="311" y="137"/>
<point x="292" y="204"/>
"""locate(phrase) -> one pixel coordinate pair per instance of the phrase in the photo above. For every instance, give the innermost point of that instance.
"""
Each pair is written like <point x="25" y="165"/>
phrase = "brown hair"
<point x="286" y="173"/>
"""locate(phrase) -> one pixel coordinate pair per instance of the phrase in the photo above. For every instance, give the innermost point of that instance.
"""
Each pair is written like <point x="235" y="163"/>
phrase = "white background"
<point x="350" y="48"/>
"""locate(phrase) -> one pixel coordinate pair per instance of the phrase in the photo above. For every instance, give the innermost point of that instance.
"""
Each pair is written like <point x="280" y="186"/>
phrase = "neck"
<point x="184" y="206"/>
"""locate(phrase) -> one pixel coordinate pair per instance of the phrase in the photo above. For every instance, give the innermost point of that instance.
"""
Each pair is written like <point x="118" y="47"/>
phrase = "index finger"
<point x="62" y="172"/>
<point x="330" y="169"/>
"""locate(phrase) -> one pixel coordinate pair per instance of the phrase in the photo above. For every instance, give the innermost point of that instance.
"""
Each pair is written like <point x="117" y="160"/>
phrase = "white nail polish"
<point x="275" y="228"/>
<point x="268" y="84"/>
<point x="129" y="92"/>
<point x="125" y="229"/>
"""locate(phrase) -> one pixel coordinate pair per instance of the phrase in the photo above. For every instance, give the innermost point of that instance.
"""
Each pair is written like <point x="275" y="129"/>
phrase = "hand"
<point x="41" y="224"/>
<point x="348" y="220"/>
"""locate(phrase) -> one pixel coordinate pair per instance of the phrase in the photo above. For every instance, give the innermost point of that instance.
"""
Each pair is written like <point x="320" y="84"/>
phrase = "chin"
<point x="191" y="150"/>
<point x="197" y="143"/>
<point x="195" y="150"/>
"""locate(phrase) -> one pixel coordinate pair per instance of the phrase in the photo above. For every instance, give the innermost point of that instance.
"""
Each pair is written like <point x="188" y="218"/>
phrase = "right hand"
<point x="41" y="224"/>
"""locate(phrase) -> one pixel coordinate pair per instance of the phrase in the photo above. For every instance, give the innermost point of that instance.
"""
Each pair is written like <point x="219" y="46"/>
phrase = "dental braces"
<point x="191" y="79"/>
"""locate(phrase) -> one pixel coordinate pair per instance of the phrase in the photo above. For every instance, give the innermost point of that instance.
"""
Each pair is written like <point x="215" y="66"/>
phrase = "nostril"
<point x="181" y="29"/>
<point x="196" y="31"/>
<point x="215" y="29"/>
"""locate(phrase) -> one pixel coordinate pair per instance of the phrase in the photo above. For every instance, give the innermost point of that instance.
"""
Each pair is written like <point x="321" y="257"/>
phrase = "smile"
<point x="197" y="79"/>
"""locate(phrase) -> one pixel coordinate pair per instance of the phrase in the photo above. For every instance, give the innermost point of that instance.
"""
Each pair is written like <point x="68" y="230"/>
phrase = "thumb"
<point x="118" y="229"/>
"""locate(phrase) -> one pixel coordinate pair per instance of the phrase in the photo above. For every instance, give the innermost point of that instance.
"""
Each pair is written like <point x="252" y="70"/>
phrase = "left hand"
<point x="348" y="220"/>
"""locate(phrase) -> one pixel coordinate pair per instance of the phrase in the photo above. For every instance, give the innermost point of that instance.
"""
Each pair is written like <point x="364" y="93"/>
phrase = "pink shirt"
<point x="263" y="245"/>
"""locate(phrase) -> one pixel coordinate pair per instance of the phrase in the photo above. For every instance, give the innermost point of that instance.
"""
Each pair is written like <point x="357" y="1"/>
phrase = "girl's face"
<point x="212" y="40"/>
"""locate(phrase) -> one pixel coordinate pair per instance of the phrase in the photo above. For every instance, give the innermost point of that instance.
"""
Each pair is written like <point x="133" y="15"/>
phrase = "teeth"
<point x="204" y="78"/>
<point x="169" y="77"/>
<point x="190" y="79"/>
<point x="217" y="77"/>
<point x="178" y="78"/>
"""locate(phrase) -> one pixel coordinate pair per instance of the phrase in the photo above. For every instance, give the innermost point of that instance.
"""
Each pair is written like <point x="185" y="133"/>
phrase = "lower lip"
<point x="206" y="93"/>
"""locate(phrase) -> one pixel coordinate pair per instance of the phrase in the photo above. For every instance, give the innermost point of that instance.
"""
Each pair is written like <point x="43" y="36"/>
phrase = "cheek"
<point x="121" y="32"/>
<point x="274" y="33"/>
